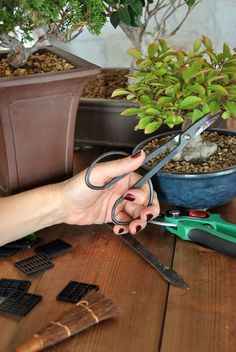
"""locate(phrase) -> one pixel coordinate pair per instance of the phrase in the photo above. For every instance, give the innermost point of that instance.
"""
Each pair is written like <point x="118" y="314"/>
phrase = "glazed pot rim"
<point x="170" y="174"/>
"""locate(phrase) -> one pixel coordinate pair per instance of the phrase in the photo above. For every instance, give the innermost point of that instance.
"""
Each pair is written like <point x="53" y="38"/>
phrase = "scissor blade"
<point x="202" y="124"/>
<point x="167" y="273"/>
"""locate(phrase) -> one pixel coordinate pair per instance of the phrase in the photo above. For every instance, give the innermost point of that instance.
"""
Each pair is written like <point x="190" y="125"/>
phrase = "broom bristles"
<point x="94" y="308"/>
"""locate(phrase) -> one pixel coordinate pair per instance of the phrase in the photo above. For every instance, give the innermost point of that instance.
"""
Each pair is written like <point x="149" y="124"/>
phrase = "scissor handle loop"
<point x="121" y="199"/>
<point x="112" y="181"/>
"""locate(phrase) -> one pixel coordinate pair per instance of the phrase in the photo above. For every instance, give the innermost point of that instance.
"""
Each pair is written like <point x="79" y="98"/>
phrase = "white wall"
<point x="214" y="18"/>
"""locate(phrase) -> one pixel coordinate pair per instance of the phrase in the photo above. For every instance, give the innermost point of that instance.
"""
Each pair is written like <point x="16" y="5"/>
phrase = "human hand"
<point x="84" y="206"/>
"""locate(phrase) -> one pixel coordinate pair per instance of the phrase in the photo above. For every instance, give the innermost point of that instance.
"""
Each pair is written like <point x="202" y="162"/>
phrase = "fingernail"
<point x="120" y="230"/>
<point x="136" y="155"/>
<point x="149" y="217"/>
<point x="138" y="228"/>
<point x="130" y="197"/>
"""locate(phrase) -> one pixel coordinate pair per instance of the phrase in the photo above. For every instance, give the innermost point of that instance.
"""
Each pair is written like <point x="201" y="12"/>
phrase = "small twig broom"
<point x="94" y="308"/>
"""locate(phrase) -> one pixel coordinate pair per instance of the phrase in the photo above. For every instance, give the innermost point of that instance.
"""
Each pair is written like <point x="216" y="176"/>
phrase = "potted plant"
<point x="174" y="87"/>
<point x="99" y="121"/>
<point x="40" y="89"/>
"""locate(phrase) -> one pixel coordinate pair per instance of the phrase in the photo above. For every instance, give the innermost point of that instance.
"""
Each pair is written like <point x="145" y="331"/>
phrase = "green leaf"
<point x="137" y="7"/>
<point x="144" y="122"/>
<point x="196" y="45"/>
<point x="153" y="126"/>
<point x="173" y="120"/>
<point x="212" y="56"/>
<point x="130" y="96"/>
<point x="178" y="120"/>
<point x="161" y="72"/>
<point x="124" y="15"/>
<point x="170" y="91"/>
<point x="205" y="109"/>
<point x="164" y="100"/>
<point x="217" y="88"/>
<point x="136" y="87"/>
<point x="126" y="2"/>
<point x="191" y="3"/>
<point x="144" y="99"/>
<point x="207" y="42"/>
<point x="180" y="57"/>
<point x="111" y="2"/>
<point x="189" y="72"/>
<point x="135" y="53"/>
<point x="163" y="44"/>
<point x="130" y="112"/>
<point x="216" y="78"/>
<point x="231" y="106"/>
<point x="168" y="58"/>
<point x="197" y="88"/>
<point x="231" y="69"/>
<point x="196" y="115"/>
<point x="226" y="51"/>
<point x="152" y="111"/>
<point x="139" y="62"/>
<point x="214" y="106"/>
<point x="225" y="115"/>
<point x="190" y="102"/>
<point x="119" y="92"/>
<point x="114" y="19"/>
<point x="152" y="49"/>
<point x="232" y="90"/>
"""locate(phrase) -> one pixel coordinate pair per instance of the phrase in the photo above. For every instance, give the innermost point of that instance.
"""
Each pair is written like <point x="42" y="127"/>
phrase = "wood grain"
<point x="204" y="318"/>
<point x="153" y="316"/>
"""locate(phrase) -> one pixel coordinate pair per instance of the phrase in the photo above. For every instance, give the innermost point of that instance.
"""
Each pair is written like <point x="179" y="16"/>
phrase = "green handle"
<point x="213" y="232"/>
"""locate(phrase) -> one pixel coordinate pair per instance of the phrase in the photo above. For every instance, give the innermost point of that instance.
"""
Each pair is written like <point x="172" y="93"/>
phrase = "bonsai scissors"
<point x="175" y="145"/>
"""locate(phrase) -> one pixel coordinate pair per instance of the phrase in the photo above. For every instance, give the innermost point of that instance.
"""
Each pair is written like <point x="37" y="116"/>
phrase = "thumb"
<point x="111" y="169"/>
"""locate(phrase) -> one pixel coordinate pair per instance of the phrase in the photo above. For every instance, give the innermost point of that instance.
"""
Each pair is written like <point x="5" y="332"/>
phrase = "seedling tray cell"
<point x="34" y="264"/>
<point x="74" y="291"/>
<point x="54" y="248"/>
<point x="19" y="303"/>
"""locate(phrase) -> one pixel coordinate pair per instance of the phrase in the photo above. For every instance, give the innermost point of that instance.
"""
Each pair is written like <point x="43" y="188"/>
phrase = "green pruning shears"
<point x="199" y="226"/>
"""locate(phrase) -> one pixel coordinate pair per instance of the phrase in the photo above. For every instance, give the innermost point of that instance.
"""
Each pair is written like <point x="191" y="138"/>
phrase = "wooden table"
<point x="154" y="316"/>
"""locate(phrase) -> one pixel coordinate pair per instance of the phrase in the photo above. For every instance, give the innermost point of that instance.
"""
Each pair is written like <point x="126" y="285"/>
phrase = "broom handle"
<point x="34" y="344"/>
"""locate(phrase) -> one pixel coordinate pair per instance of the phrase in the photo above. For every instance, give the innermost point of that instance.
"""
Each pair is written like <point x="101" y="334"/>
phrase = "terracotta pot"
<point x="37" y="122"/>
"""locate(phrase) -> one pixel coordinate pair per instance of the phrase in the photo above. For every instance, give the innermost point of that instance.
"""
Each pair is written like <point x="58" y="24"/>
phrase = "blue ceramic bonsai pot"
<point x="194" y="190"/>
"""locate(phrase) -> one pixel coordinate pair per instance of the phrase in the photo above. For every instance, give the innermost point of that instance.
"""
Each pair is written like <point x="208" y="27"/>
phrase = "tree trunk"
<point x="197" y="150"/>
<point x="18" y="53"/>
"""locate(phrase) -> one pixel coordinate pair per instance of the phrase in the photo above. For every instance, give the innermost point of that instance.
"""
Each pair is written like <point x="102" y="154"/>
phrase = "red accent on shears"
<point x="197" y="213"/>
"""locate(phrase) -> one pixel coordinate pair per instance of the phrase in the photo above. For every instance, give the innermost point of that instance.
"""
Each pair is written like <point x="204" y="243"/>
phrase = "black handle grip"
<point x="212" y="241"/>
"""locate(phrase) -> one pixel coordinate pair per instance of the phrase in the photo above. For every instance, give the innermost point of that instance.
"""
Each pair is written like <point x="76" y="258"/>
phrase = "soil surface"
<point x="37" y="63"/>
<point x="105" y="83"/>
<point x="225" y="156"/>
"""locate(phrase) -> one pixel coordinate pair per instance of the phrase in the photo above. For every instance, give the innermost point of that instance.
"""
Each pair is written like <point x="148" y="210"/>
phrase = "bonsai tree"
<point x="63" y="20"/>
<point x="136" y="18"/>
<point x="174" y="87"/>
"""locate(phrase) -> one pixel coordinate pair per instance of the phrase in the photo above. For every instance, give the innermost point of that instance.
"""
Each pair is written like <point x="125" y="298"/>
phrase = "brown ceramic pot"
<point x="37" y="122"/>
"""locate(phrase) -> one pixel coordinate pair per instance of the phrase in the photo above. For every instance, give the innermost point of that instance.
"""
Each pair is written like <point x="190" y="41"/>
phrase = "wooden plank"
<point x="204" y="318"/>
<point x="102" y="258"/>
<point x="99" y="257"/>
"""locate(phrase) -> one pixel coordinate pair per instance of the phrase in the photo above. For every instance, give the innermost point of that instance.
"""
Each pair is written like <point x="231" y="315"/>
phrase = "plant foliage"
<point x="130" y="11"/>
<point x="168" y="84"/>
<point x="62" y="17"/>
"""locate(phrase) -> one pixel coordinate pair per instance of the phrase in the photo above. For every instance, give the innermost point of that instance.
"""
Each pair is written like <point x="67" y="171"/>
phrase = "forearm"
<point x="28" y="212"/>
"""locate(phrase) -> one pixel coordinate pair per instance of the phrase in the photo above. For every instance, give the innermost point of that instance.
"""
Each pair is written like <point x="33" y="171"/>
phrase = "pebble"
<point x="224" y="158"/>
<point x="37" y="63"/>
